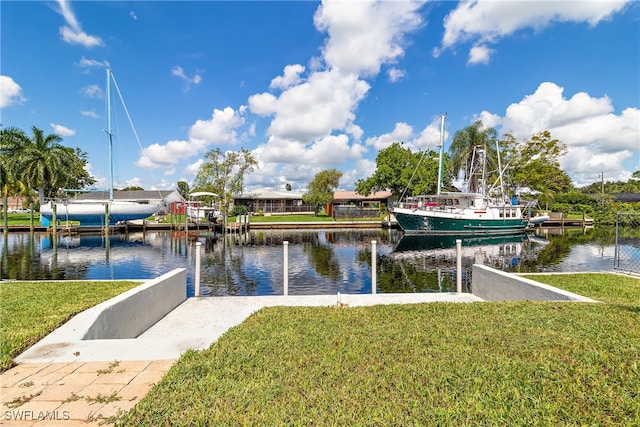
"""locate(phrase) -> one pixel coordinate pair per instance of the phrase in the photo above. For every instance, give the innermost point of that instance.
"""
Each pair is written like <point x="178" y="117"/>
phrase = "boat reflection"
<point x="427" y="263"/>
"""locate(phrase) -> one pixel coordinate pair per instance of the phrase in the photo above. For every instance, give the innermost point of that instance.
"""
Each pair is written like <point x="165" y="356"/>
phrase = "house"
<point x="272" y="202"/>
<point x="354" y="205"/>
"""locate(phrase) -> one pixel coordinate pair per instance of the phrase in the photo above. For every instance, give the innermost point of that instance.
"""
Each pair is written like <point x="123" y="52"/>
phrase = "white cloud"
<point x="324" y="102"/>
<point x="62" y="130"/>
<point x="402" y="132"/>
<point x="90" y="113"/>
<point x="179" y="72"/>
<point x="220" y="129"/>
<point x="489" y="120"/>
<point x="396" y="74"/>
<point x="133" y="15"/>
<point x="192" y="169"/>
<point x="92" y="91"/>
<point x="479" y="55"/>
<point x="430" y="137"/>
<point x="290" y="77"/>
<point x="484" y="21"/>
<point x="365" y="34"/>
<point x="10" y="92"/>
<point x="91" y="63"/>
<point x="363" y="168"/>
<point x="597" y="139"/>
<point x="332" y="150"/>
<point x="72" y="33"/>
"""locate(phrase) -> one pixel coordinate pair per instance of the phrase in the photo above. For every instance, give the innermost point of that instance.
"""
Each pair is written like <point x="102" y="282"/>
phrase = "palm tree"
<point x="10" y="142"/>
<point x="43" y="162"/>
<point x="465" y="155"/>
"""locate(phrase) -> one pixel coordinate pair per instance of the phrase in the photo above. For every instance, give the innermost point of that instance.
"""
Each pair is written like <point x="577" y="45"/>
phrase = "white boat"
<point x="461" y="213"/>
<point x="100" y="212"/>
<point x="199" y="213"/>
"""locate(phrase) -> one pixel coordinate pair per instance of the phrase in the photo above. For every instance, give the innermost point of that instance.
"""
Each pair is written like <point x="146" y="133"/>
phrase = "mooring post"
<point x="54" y="216"/>
<point x="285" y="272"/>
<point x="459" y="265"/>
<point x="106" y="218"/>
<point x="197" y="270"/>
<point x="373" y="267"/>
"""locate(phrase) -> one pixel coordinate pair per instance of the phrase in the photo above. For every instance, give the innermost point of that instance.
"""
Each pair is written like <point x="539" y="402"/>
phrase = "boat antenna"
<point x="109" y="133"/>
<point x="440" y="157"/>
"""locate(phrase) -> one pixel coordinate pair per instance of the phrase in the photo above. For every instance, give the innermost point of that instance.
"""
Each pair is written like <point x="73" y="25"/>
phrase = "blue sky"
<point x="307" y="86"/>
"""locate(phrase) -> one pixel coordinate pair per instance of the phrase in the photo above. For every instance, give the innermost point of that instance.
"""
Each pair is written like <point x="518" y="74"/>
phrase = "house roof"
<point x="264" y="193"/>
<point x="627" y="197"/>
<point x="352" y="195"/>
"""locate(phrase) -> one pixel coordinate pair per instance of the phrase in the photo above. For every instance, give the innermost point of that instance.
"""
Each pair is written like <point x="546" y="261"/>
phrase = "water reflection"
<point x="320" y="261"/>
<point x="428" y="263"/>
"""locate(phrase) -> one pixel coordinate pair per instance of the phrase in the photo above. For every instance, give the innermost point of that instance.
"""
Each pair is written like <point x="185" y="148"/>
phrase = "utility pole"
<point x="602" y="182"/>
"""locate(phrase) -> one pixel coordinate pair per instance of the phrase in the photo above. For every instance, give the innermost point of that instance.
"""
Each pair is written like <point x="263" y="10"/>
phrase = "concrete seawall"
<point x="133" y="312"/>
<point x="490" y="284"/>
<point x="111" y="328"/>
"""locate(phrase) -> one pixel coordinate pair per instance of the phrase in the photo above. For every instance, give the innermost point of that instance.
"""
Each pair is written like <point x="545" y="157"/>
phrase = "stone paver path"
<point x="75" y="393"/>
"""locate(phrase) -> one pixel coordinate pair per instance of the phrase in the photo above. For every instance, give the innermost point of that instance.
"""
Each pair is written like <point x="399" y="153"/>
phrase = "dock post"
<point x="106" y="219"/>
<point x="373" y="267"/>
<point x="459" y="265"/>
<point x="54" y="217"/>
<point x="197" y="270"/>
<point x="286" y="268"/>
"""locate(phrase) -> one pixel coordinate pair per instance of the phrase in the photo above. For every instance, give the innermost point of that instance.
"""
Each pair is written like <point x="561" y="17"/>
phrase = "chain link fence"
<point x="627" y="247"/>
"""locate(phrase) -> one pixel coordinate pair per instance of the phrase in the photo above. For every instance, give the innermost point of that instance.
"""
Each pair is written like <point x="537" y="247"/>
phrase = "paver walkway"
<point x="75" y="393"/>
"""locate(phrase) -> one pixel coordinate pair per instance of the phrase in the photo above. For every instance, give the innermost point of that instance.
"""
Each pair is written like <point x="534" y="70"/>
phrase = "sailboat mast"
<point x="441" y="156"/>
<point x="109" y="130"/>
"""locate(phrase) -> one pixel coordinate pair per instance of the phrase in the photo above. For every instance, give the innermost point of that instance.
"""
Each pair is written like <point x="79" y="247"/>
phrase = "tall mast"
<point x="109" y="130"/>
<point x="441" y="156"/>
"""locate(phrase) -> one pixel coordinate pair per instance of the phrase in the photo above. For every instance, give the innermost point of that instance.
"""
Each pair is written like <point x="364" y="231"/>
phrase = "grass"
<point x="288" y="218"/>
<point x="30" y="310"/>
<point x="24" y="219"/>
<point x="303" y="218"/>
<point x="513" y="363"/>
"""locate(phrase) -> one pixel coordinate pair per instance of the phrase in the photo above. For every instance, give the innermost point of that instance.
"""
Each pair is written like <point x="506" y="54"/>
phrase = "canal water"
<point x="320" y="261"/>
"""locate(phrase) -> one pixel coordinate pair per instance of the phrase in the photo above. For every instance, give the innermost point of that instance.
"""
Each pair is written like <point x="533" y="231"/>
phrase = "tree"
<point x="534" y="163"/>
<point x="10" y="140"/>
<point x="400" y="170"/>
<point x="466" y="158"/>
<point x="321" y="188"/>
<point x="223" y="173"/>
<point x="183" y="188"/>
<point x="77" y="176"/>
<point x="41" y="162"/>
<point x="132" y="188"/>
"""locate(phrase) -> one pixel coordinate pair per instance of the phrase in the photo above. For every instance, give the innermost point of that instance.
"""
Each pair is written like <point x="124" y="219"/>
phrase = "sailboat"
<point x="100" y="212"/>
<point x="461" y="213"/>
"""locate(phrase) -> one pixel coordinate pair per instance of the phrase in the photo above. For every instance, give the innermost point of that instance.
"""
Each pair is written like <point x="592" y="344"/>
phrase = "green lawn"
<point x="30" y="310"/>
<point x="521" y="363"/>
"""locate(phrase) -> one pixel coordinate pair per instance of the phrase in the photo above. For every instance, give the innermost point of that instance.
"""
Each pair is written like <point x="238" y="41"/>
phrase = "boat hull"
<point x="426" y="222"/>
<point x="93" y="213"/>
